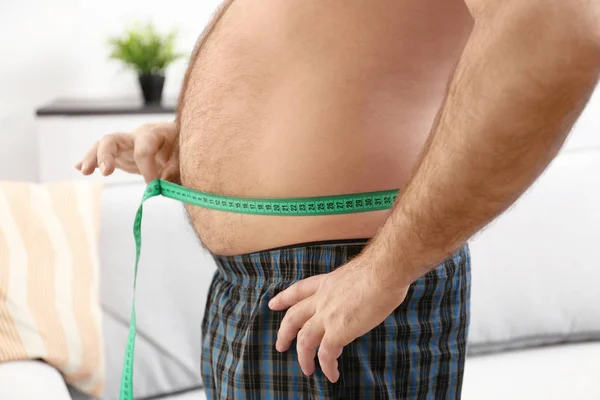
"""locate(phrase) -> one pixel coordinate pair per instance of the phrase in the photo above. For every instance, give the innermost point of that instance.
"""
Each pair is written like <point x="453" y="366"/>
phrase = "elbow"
<point x="579" y="22"/>
<point x="581" y="34"/>
<point x="576" y="26"/>
<point x="584" y="35"/>
<point x="571" y="26"/>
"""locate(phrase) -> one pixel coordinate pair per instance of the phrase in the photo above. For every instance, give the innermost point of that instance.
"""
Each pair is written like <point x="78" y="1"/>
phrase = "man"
<point x="460" y="105"/>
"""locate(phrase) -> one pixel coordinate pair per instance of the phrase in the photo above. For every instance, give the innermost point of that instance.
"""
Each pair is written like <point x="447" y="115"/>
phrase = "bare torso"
<point x="311" y="98"/>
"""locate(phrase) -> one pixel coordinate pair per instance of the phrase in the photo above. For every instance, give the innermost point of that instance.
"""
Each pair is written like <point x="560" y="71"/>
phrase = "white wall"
<point x="57" y="48"/>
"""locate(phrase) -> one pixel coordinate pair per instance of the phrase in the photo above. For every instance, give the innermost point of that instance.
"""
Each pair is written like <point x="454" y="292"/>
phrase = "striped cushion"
<point x="49" y="273"/>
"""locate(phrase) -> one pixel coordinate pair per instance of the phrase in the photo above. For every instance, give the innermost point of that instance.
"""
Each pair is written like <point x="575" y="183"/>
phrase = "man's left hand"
<point x="329" y="311"/>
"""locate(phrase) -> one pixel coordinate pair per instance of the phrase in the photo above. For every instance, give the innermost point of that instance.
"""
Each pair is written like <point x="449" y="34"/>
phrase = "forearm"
<point x="524" y="78"/>
<point x="199" y="45"/>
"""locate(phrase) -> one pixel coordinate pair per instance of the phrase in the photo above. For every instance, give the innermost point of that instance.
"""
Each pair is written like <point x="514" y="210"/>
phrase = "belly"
<point x="313" y="99"/>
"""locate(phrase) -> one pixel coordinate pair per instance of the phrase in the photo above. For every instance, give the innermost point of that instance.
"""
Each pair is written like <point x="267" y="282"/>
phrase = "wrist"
<point x="400" y="254"/>
<point x="389" y="268"/>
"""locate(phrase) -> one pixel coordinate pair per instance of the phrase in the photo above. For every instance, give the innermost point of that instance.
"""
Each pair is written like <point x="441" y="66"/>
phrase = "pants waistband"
<point x="289" y="263"/>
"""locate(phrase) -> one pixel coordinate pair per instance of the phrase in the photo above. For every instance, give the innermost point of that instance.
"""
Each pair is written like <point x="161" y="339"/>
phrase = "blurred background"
<point x="58" y="49"/>
<point x="53" y="50"/>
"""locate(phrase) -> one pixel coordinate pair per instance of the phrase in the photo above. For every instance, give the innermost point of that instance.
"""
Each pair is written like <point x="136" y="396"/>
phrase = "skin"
<point x="462" y="117"/>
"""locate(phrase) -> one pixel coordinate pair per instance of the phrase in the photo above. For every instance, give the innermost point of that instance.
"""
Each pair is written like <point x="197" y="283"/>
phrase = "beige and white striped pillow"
<point x="49" y="279"/>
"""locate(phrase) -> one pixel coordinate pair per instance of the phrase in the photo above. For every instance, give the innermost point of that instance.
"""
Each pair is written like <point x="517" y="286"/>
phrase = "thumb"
<point x="171" y="171"/>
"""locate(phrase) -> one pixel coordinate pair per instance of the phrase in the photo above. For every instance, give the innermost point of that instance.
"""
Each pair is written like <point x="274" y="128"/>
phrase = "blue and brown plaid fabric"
<point x="416" y="353"/>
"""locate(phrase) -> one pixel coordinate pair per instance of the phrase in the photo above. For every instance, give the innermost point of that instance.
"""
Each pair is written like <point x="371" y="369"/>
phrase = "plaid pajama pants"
<point x="418" y="352"/>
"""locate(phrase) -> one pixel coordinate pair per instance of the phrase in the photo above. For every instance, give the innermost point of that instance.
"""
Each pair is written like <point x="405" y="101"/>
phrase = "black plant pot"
<point x="152" y="87"/>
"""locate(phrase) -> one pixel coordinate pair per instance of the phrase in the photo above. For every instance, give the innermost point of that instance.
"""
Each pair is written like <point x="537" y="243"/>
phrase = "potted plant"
<point x="143" y="49"/>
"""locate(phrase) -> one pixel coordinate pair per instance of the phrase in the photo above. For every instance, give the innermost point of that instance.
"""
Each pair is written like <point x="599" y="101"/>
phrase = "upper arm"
<point x="572" y="24"/>
<point x="581" y="14"/>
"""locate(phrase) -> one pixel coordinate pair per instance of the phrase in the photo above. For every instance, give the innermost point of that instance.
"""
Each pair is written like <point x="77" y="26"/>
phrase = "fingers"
<point x="171" y="171"/>
<point x="145" y="150"/>
<point x="296" y="293"/>
<point x="309" y="338"/>
<point x="329" y="352"/>
<point x="89" y="162"/>
<point x="107" y="151"/>
<point x="102" y="154"/>
<point x="292" y="322"/>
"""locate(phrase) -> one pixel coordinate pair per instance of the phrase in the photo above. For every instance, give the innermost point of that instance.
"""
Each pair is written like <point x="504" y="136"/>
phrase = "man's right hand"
<point x="152" y="150"/>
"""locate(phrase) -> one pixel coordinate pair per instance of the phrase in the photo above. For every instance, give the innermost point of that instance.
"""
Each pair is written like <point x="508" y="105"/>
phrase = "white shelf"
<point x="64" y="140"/>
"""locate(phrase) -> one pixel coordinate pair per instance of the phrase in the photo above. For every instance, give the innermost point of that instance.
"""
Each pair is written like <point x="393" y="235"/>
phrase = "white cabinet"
<point x="64" y="139"/>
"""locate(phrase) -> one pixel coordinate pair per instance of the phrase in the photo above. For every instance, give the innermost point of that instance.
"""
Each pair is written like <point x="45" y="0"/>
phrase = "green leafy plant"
<point x="143" y="49"/>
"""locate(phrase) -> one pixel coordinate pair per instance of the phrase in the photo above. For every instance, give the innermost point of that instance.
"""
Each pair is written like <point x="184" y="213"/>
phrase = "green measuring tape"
<point x="305" y="206"/>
